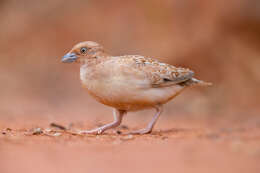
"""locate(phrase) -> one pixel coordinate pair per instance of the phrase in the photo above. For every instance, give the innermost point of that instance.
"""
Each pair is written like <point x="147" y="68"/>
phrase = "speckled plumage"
<point x="159" y="74"/>
<point x="129" y="82"/>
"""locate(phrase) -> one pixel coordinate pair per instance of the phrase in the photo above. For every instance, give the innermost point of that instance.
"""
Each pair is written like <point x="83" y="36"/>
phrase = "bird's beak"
<point x="69" y="57"/>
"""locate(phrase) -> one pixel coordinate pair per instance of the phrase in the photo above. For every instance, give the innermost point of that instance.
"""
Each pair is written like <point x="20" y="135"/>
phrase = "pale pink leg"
<point x="150" y="126"/>
<point x="118" y="115"/>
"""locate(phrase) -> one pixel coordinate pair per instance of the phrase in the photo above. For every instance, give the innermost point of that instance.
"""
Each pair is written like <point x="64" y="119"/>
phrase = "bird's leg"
<point x="118" y="115"/>
<point x="150" y="126"/>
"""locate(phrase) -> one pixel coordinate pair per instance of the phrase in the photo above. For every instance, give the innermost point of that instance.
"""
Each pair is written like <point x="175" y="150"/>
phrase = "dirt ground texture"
<point x="180" y="144"/>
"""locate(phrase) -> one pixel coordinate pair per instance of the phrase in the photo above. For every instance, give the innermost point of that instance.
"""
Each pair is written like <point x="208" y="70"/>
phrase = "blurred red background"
<point x="214" y="129"/>
<point x="217" y="39"/>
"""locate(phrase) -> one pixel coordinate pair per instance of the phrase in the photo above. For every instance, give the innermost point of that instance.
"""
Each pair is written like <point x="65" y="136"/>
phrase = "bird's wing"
<point x="158" y="74"/>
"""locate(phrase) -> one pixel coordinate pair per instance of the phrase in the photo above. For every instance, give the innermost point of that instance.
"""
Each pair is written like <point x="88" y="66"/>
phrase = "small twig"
<point x="58" y="126"/>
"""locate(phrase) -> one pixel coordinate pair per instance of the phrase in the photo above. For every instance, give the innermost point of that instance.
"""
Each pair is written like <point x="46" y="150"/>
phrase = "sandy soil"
<point x="192" y="146"/>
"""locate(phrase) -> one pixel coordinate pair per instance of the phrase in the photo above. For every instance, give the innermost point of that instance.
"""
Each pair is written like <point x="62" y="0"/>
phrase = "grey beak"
<point x="69" y="57"/>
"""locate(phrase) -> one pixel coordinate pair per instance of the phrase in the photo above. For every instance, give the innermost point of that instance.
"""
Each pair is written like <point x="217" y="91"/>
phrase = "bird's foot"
<point x="97" y="131"/>
<point x="141" y="132"/>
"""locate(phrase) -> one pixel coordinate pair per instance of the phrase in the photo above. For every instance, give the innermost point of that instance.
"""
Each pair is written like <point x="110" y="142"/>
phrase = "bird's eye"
<point x="83" y="50"/>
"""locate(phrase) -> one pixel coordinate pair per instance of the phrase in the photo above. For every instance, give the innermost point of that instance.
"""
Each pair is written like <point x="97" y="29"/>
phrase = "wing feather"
<point x="159" y="74"/>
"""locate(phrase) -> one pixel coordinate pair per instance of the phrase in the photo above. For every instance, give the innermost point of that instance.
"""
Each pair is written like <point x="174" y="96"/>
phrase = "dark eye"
<point x="83" y="50"/>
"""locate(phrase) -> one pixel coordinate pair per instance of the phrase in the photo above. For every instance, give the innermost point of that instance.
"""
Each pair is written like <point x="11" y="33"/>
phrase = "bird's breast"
<point x="123" y="91"/>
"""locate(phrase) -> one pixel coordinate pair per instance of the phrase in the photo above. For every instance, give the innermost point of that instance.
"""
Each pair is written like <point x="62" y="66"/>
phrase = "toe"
<point x="141" y="132"/>
<point x="83" y="132"/>
<point x="93" y="132"/>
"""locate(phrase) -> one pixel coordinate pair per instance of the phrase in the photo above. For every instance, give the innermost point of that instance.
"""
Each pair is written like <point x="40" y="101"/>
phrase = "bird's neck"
<point x="95" y="59"/>
<point x="90" y="69"/>
<point x="89" y="66"/>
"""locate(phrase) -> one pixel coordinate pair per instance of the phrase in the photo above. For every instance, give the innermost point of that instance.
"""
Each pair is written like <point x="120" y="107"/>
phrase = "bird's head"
<point x="83" y="51"/>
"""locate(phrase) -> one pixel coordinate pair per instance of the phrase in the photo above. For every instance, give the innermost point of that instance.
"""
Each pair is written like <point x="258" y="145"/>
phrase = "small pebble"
<point x="37" y="131"/>
<point x="118" y="132"/>
<point x="56" y="134"/>
<point x="128" y="137"/>
<point x="48" y="130"/>
<point x="8" y="129"/>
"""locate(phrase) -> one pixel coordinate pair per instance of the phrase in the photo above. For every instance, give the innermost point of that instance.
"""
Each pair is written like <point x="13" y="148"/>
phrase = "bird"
<point x="128" y="83"/>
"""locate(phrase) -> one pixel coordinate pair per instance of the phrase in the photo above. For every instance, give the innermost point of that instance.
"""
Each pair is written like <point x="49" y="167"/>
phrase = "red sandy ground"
<point x="198" y="146"/>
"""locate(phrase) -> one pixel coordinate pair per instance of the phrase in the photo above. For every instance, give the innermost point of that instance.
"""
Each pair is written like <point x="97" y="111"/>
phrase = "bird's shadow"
<point x="171" y="131"/>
